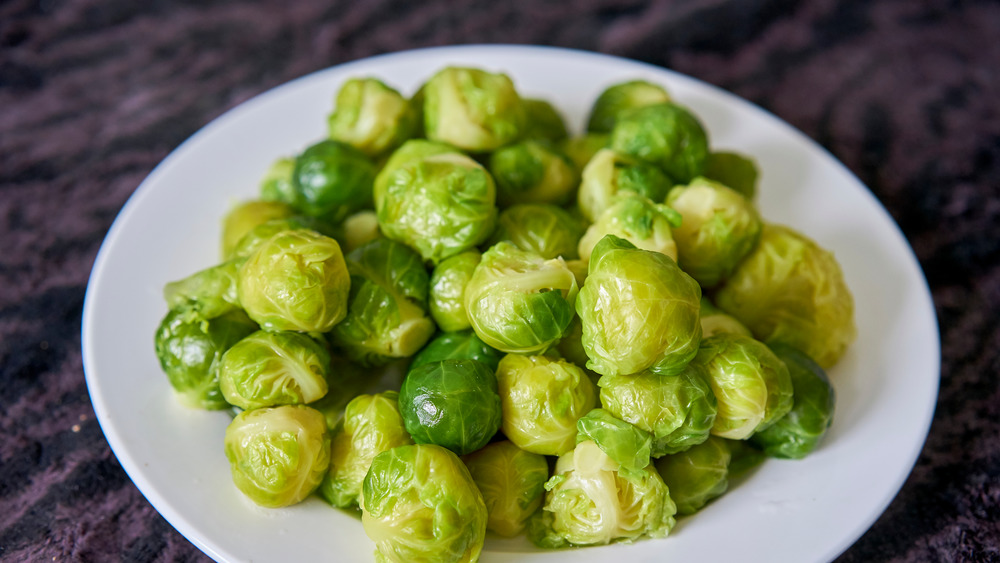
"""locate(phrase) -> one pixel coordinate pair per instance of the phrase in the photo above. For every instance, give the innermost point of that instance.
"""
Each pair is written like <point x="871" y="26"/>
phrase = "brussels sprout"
<point x="519" y="302"/>
<point x="620" y="98"/>
<point x="208" y="293"/>
<point x="733" y="170"/>
<point x="447" y="291"/>
<point x="697" y="475"/>
<point x="256" y="236"/>
<point x="472" y="109"/>
<point x="639" y="311"/>
<point x="278" y="455"/>
<point x="387" y="308"/>
<point x="532" y="172"/>
<point x="345" y="380"/>
<point x="546" y="230"/>
<point x="542" y="401"/>
<point x="189" y="348"/>
<point x="751" y="384"/>
<point x="296" y="280"/>
<point x="542" y="121"/>
<point x="626" y="444"/>
<point x="666" y="135"/>
<point x="591" y="502"/>
<point x="512" y="482"/>
<point x="609" y="173"/>
<point x="277" y="182"/>
<point x="679" y="410"/>
<point x="420" y="505"/>
<point x="371" y="117"/>
<point x="719" y="228"/>
<point x="636" y="219"/>
<point x="797" y="434"/>
<point x="247" y="215"/>
<point x="745" y="457"/>
<point x="359" y="229"/>
<point x="332" y="180"/>
<point x="267" y="369"/>
<point x="790" y="291"/>
<point x="372" y="424"/>
<point x="583" y="148"/>
<point x="715" y="321"/>
<point x="451" y="403"/>
<point x="462" y="345"/>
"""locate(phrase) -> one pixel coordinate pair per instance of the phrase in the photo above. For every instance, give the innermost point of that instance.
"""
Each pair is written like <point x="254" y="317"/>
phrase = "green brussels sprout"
<point x="542" y="401"/>
<point x="420" y="505"/>
<point x="332" y="180"/>
<point x="532" y="172"/>
<point x="387" y="308"/>
<point x="627" y="445"/>
<point x="447" y="291"/>
<point x="545" y="229"/>
<point x="719" y="228"/>
<point x="472" y="109"/>
<point x="583" y="148"/>
<point x="519" y="302"/>
<point x="790" y="291"/>
<point x="639" y="311"/>
<point x="257" y="235"/>
<point x="666" y="135"/>
<point x="678" y="410"/>
<point x="590" y="501"/>
<point x="278" y="455"/>
<point x="359" y="229"/>
<point x="733" y="170"/>
<point x="451" y="403"/>
<point x="715" y="321"/>
<point x="461" y="345"/>
<point x="277" y="182"/>
<point x="751" y="384"/>
<point x="244" y="217"/>
<point x="512" y="482"/>
<point x="608" y="173"/>
<point x="542" y="121"/>
<point x="267" y="369"/>
<point x="745" y="457"/>
<point x="296" y="280"/>
<point x="697" y="475"/>
<point x="620" y="98"/>
<point x="345" y="380"/>
<point x="645" y="224"/>
<point x="190" y="347"/>
<point x="371" y="117"/>
<point x="208" y="293"/>
<point x="797" y="434"/>
<point x="372" y="424"/>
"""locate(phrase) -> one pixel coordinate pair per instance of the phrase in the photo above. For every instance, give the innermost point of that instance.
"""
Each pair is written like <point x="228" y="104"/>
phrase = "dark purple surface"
<point x="94" y="94"/>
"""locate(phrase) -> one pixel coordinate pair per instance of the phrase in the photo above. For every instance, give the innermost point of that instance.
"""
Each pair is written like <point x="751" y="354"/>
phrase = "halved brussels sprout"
<point x="359" y="229"/>
<point x="542" y="401"/>
<point x="666" y="135"/>
<point x="583" y="148"/>
<point x="639" y="311"/>
<point x="736" y="171"/>
<point x="278" y="455"/>
<point x="547" y="230"/>
<point x="697" y="475"/>
<point x="628" y="445"/>
<point x="715" y="321"/>
<point x="619" y="98"/>
<point x="420" y="505"/>
<point x="512" y="482"/>
<point x="447" y="291"/>
<point x="542" y="121"/>
<point x="371" y="117"/>
<point x="332" y="180"/>
<point x="267" y="369"/>
<point x="608" y="173"/>
<point x="633" y="217"/>
<point x="472" y="109"/>
<point x="244" y="217"/>
<point x="208" y="293"/>
<point x="461" y="345"/>
<point x="532" y="172"/>
<point x="519" y="302"/>
<point x="790" y="291"/>
<point x="277" y="182"/>
<point x="259" y="234"/>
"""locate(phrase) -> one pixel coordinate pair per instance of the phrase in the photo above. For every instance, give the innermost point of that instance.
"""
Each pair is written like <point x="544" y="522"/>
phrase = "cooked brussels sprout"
<point x="208" y="293"/>
<point x="797" y="434"/>
<point x="267" y="369"/>
<point x="608" y="173"/>
<point x="512" y="482"/>
<point x="451" y="403"/>
<point x="626" y="444"/>
<point x="244" y="217"/>
<point x="278" y="455"/>
<point x="190" y="347"/>
<point x="751" y="385"/>
<point x="719" y="228"/>
<point x="462" y="345"/>
<point x="472" y="109"/>
<point x="447" y="292"/>
<point x="736" y="171"/>
<point x="532" y="172"/>
<point x="790" y="291"/>
<point x="519" y="302"/>
<point x="715" y="321"/>
<point x="371" y="117"/>
<point x="387" y="308"/>
<point x="542" y="121"/>
<point x="591" y="502"/>
<point x="372" y="424"/>
<point x="639" y="311"/>
<point x="645" y="224"/>
<point x="619" y="98"/>
<point x="543" y="398"/>
<point x="332" y="180"/>
<point x="359" y="229"/>
<point x="545" y="229"/>
<point x="697" y="475"/>
<point x="277" y="182"/>
<point x="666" y="135"/>
<point x="420" y="505"/>
<point x="583" y="148"/>
<point x="257" y="235"/>
<point x="296" y="280"/>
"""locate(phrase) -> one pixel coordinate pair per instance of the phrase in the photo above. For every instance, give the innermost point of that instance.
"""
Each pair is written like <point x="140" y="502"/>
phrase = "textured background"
<point x="93" y="94"/>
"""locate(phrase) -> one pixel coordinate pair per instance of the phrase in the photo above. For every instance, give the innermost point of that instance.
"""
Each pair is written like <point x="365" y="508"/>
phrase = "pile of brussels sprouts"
<point x="594" y="333"/>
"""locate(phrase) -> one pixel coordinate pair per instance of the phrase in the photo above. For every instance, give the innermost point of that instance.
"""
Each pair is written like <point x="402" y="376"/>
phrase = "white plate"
<point x="809" y="510"/>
